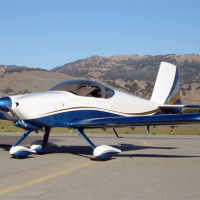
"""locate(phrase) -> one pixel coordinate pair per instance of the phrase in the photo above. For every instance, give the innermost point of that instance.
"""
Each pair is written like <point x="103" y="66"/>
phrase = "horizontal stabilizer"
<point x="180" y="106"/>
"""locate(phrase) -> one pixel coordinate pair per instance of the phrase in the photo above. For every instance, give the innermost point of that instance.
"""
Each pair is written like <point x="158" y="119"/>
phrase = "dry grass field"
<point x="7" y="126"/>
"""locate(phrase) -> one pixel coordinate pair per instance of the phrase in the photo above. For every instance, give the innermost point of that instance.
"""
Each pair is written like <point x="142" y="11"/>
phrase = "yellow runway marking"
<point x="39" y="180"/>
<point x="153" y="143"/>
<point x="146" y="143"/>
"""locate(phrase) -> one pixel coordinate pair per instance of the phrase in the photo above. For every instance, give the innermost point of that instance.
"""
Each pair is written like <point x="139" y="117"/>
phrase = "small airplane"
<point x="81" y="104"/>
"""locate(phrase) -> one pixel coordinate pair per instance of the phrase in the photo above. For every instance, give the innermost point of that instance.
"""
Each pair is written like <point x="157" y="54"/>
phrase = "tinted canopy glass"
<point x="85" y="88"/>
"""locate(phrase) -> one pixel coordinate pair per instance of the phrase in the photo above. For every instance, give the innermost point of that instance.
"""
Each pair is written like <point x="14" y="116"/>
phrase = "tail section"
<point x="166" y="90"/>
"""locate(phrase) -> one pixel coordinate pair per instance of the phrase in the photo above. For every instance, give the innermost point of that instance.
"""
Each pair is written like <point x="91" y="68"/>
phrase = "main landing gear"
<point x="102" y="152"/>
<point x="39" y="146"/>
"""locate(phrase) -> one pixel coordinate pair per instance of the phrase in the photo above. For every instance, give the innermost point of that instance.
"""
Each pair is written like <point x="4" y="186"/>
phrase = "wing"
<point x="112" y="122"/>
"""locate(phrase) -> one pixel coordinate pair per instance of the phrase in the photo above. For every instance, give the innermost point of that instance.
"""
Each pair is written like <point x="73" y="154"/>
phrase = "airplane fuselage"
<point x="59" y="108"/>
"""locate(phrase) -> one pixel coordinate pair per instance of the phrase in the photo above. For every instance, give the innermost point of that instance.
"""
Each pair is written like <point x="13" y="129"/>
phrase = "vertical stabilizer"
<point x="166" y="89"/>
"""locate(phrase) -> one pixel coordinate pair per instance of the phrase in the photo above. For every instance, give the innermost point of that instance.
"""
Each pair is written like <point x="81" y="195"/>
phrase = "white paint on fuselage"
<point x="35" y="105"/>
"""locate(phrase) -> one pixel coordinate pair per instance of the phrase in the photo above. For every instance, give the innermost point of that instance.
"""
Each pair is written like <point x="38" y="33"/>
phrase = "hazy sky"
<point x="48" y="34"/>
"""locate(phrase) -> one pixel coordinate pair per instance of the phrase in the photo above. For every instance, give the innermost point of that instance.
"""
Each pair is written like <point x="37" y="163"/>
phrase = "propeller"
<point x="16" y="116"/>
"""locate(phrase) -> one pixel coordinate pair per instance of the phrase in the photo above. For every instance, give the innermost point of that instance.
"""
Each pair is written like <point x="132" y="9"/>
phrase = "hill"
<point x="29" y="81"/>
<point x="137" y="74"/>
<point x="134" y="74"/>
<point x="132" y="67"/>
<point x="3" y="68"/>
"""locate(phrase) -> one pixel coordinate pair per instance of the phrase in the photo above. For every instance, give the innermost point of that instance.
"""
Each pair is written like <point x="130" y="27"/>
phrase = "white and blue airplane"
<point x="81" y="104"/>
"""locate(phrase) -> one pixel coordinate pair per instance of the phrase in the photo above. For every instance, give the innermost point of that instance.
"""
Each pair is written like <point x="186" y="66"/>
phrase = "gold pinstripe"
<point x="75" y="108"/>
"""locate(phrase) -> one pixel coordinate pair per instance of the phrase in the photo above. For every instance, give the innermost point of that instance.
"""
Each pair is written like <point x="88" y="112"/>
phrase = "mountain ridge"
<point x="132" y="67"/>
<point x="131" y="73"/>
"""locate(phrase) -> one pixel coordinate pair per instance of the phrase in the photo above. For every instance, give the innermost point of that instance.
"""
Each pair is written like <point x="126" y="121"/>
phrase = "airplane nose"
<point x="4" y="102"/>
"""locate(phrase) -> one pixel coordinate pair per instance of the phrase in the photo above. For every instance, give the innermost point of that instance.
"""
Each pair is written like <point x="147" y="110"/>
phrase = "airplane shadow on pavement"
<point x="86" y="151"/>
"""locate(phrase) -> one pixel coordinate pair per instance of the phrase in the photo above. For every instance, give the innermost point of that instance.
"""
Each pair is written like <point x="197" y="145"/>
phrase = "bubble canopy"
<point x="85" y="88"/>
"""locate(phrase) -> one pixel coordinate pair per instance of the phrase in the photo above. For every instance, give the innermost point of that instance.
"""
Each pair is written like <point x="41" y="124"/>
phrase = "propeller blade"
<point x="15" y="115"/>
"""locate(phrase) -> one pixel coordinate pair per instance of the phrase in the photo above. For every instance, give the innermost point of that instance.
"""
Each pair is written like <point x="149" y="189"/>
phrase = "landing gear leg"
<point x="82" y="134"/>
<point x="103" y="152"/>
<point x="46" y="136"/>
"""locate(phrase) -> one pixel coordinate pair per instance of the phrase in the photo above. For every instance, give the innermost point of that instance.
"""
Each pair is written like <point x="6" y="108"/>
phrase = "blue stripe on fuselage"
<point x="64" y="119"/>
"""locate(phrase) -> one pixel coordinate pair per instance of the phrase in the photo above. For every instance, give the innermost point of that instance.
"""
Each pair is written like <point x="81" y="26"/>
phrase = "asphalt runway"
<point x="149" y="167"/>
